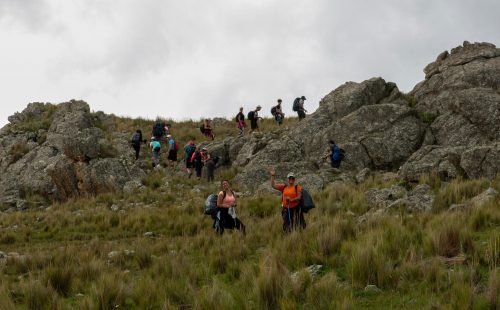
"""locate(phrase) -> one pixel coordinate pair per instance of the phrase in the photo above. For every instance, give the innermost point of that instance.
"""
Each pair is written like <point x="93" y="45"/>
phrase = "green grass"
<point x="81" y="254"/>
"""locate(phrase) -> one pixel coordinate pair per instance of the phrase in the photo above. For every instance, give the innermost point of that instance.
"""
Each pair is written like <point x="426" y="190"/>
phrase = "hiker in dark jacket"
<point x="335" y="154"/>
<point x="253" y="116"/>
<point x="211" y="163"/>
<point x="189" y="149"/>
<point x="173" y="147"/>
<point x="136" y="142"/>
<point x="301" y="112"/>
<point x="225" y="217"/>
<point x="291" y="195"/>
<point x="197" y="160"/>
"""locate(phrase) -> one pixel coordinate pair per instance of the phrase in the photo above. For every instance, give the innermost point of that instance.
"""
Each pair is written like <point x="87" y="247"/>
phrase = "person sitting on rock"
<point x="225" y="217"/>
<point x="335" y="154"/>
<point x="155" y="148"/>
<point x="291" y="212"/>
<point x="207" y="129"/>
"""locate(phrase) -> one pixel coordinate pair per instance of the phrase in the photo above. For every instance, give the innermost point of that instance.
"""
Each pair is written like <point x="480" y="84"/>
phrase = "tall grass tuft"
<point x="6" y="302"/>
<point x="271" y="282"/>
<point x="38" y="296"/>
<point x="493" y="291"/>
<point x="110" y="292"/>
<point x="60" y="278"/>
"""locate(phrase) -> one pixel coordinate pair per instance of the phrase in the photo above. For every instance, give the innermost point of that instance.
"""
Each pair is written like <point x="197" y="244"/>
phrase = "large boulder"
<point x="65" y="157"/>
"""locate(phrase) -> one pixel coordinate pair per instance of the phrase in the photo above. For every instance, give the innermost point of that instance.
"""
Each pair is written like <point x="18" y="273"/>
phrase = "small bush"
<point x="60" y="278"/>
<point x="427" y="117"/>
<point x="263" y="206"/>
<point x="38" y="296"/>
<point x="412" y="101"/>
<point x="17" y="151"/>
<point x="8" y="238"/>
<point x="110" y="292"/>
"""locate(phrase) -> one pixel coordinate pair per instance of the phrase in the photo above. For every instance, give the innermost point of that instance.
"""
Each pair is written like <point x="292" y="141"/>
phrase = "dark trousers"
<point x="137" y="149"/>
<point x="225" y="221"/>
<point x="210" y="173"/>
<point x="293" y="218"/>
<point x="335" y="163"/>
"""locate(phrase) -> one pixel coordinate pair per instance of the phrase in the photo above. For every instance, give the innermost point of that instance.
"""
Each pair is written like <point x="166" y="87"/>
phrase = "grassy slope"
<point x="64" y="257"/>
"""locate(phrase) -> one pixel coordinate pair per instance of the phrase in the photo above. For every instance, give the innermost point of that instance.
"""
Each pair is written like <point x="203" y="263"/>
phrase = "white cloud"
<point x="206" y="58"/>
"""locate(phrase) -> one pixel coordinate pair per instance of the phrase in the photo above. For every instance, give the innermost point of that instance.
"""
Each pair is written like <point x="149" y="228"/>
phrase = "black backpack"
<point x="342" y="154"/>
<point x="189" y="150"/>
<point x="136" y="138"/>
<point x="251" y="115"/>
<point x="296" y="104"/>
<point x="158" y="130"/>
<point x="306" y="202"/>
<point x="273" y="110"/>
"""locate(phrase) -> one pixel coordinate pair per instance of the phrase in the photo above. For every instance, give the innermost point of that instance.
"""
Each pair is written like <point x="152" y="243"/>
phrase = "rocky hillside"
<point x="449" y="123"/>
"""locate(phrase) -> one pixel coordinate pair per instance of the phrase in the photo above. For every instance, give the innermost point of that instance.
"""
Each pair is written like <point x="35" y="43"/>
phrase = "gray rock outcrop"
<point x="460" y="96"/>
<point x="56" y="151"/>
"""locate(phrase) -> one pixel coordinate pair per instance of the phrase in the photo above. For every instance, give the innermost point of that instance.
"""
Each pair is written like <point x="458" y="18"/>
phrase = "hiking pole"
<point x="289" y="217"/>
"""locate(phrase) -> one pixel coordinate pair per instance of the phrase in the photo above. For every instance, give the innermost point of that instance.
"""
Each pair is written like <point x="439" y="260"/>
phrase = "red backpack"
<point x="176" y="145"/>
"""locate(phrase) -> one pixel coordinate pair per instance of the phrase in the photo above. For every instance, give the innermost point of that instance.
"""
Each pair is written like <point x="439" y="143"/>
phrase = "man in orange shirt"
<point x="291" y="198"/>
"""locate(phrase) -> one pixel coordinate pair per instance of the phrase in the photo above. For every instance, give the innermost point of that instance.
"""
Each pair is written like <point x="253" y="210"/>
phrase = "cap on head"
<point x="259" y="107"/>
<point x="303" y="98"/>
<point x="290" y="175"/>
<point x="279" y="100"/>
<point x="169" y="136"/>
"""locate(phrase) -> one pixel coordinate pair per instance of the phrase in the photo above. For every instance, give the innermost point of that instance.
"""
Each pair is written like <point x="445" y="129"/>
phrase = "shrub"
<point x="60" y="278"/>
<point x="6" y="302"/>
<point x="38" y="296"/>
<point x="110" y="292"/>
<point x="17" y="151"/>
<point x="427" y="117"/>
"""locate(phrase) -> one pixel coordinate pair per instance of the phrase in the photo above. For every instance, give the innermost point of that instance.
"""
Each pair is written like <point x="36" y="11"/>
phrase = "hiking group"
<point x="276" y="112"/>
<point x="295" y="200"/>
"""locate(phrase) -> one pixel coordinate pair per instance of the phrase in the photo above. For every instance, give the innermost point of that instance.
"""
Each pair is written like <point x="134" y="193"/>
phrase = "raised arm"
<point x="273" y="176"/>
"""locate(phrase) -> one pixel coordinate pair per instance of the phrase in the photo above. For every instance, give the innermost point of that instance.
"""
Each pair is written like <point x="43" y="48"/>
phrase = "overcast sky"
<point x="190" y="59"/>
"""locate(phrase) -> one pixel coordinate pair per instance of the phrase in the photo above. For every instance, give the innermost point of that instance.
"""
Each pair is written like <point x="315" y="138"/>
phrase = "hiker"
<point x="277" y="112"/>
<point x="211" y="163"/>
<point x="225" y="217"/>
<point x="335" y="153"/>
<point x="253" y="116"/>
<point x="197" y="159"/>
<point x="155" y="148"/>
<point x="166" y="128"/>
<point x="240" y="122"/>
<point x="136" y="142"/>
<point x="298" y="106"/>
<point x="158" y="130"/>
<point x="291" y="213"/>
<point x="207" y="129"/>
<point x="189" y="149"/>
<point x="173" y="148"/>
